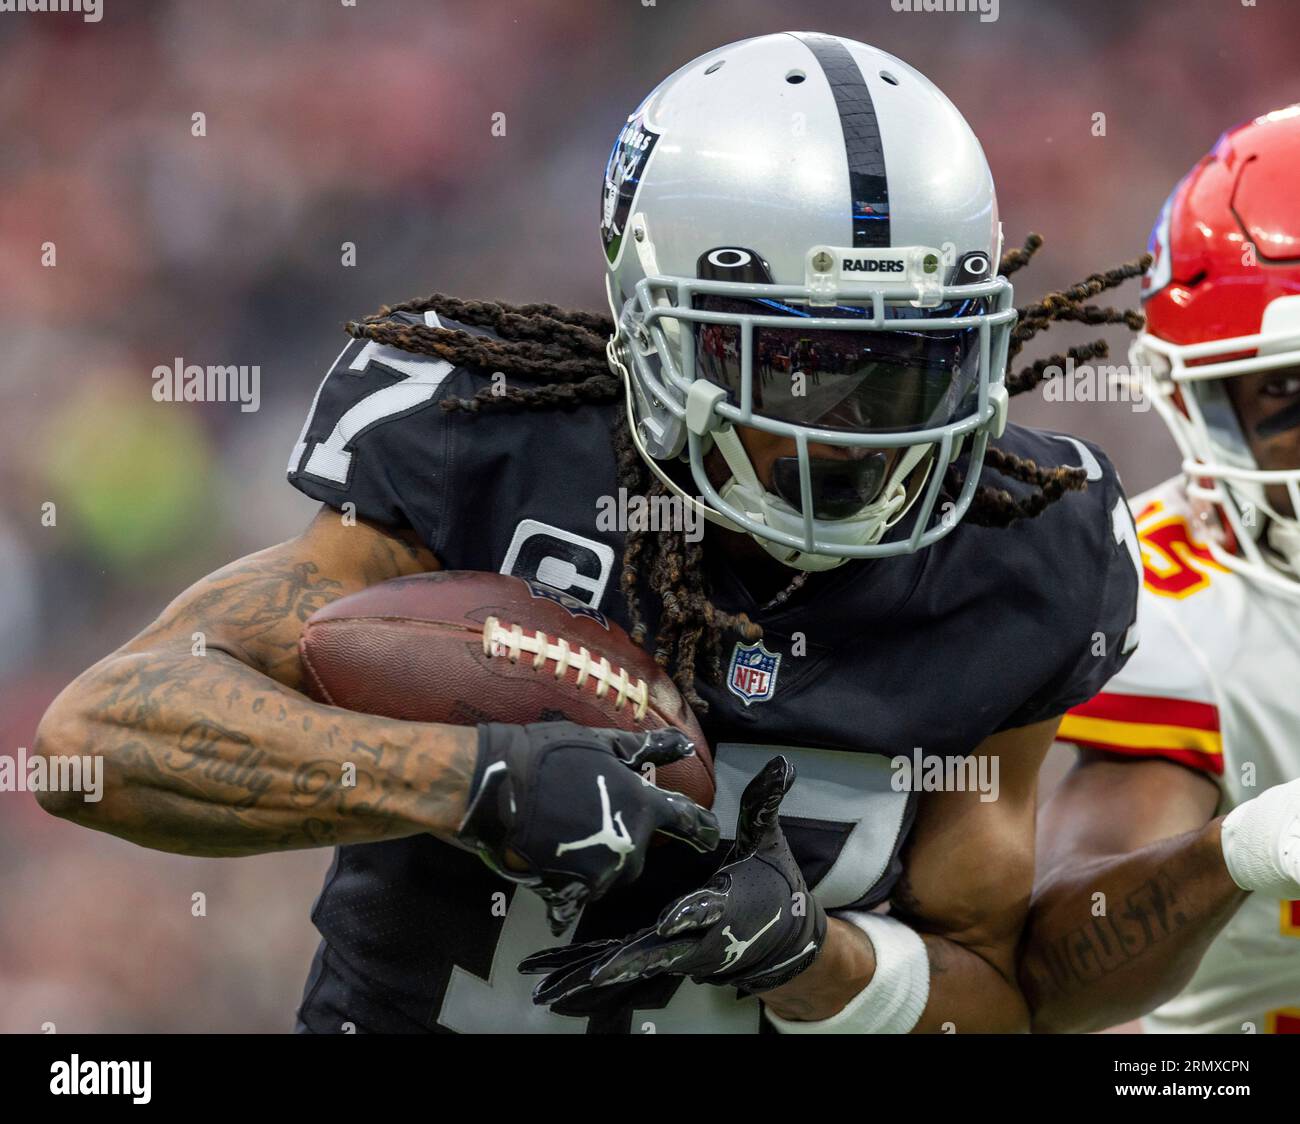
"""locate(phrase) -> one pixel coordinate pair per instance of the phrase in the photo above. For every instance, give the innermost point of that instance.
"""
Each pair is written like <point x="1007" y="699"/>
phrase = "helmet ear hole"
<point x="794" y="77"/>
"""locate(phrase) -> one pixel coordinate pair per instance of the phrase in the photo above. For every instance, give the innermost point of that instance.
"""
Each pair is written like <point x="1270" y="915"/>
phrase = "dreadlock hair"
<point x="996" y="507"/>
<point x="559" y="357"/>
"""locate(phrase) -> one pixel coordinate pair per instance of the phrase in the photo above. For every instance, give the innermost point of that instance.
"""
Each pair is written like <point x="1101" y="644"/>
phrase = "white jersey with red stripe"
<point x="1212" y="686"/>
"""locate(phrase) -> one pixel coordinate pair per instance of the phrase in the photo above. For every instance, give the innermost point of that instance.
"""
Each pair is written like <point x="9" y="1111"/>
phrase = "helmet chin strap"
<point x="867" y="527"/>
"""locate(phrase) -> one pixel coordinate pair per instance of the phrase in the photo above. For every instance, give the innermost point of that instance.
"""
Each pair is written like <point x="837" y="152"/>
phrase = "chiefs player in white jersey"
<point x="1169" y="859"/>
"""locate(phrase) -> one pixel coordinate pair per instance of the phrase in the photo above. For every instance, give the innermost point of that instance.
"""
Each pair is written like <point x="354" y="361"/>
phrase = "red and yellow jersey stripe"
<point x="1148" y="726"/>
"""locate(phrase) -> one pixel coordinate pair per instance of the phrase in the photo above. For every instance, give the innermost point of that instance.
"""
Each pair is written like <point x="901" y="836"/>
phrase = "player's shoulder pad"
<point x="1087" y="538"/>
<point x="1076" y="568"/>
<point x="374" y="435"/>
<point x="1167" y="662"/>
<point x="1162" y="702"/>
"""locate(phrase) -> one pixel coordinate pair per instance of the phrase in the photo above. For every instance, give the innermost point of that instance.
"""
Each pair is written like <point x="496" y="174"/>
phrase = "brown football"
<point x="463" y="647"/>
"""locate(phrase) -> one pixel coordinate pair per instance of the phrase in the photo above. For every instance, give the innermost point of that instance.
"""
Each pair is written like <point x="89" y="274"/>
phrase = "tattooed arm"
<point x="1131" y="889"/>
<point x="210" y="749"/>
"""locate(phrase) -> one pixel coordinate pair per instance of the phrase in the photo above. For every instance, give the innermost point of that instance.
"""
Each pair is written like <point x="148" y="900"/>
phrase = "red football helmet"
<point x="1222" y="300"/>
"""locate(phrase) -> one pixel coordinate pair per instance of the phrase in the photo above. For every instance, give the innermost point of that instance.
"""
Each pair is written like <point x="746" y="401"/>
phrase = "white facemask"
<point x="866" y="527"/>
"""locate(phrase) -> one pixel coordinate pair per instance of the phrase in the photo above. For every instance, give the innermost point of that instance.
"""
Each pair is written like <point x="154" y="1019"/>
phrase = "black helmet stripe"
<point x="867" y="183"/>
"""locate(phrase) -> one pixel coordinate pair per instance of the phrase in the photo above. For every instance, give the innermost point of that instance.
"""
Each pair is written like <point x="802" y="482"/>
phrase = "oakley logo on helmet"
<point x="972" y="267"/>
<point x="730" y="258"/>
<point x="733" y="263"/>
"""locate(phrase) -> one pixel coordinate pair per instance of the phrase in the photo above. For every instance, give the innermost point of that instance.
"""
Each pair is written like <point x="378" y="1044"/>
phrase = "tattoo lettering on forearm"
<point x="211" y="748"/>
<point x="205" y="748"/>
<point x="1148" y="915"/>
<point x="208" y="756"/>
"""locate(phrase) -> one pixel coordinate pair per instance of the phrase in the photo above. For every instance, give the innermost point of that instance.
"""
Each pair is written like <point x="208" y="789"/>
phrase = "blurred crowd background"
<point x="329" y="123"/>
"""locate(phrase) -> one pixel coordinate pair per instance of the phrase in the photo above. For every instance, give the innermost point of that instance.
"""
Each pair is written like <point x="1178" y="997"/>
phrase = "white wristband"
<point x="1261" y="842"/>
<point x="897" y="994"/>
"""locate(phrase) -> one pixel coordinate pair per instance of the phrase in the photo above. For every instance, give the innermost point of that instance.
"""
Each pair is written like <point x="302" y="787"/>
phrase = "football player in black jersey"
<point x="807" y="352"/>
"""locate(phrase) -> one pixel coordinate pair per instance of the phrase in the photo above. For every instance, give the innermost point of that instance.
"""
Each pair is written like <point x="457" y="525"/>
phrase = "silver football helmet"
<point x="801" y="235"/>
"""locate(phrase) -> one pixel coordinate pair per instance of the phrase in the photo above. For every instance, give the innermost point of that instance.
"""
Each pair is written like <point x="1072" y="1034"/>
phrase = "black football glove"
<point x="570" y="803"/>
<point x="754" y="925"/>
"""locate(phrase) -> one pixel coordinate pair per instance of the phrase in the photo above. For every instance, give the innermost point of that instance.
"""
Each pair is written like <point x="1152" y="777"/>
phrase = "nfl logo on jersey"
<point x="752" y="675"/>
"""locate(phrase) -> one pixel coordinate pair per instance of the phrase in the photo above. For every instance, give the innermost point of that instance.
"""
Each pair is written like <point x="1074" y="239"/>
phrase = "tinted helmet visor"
<point x="859" y="381"/>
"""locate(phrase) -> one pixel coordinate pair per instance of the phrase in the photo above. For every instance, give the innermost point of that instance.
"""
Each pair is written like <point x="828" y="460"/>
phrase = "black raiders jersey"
<point x="987" y="630"/>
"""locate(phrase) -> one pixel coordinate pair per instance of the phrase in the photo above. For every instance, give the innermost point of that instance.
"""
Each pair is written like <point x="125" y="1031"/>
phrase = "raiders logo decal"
<point x="622" y="177"/>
